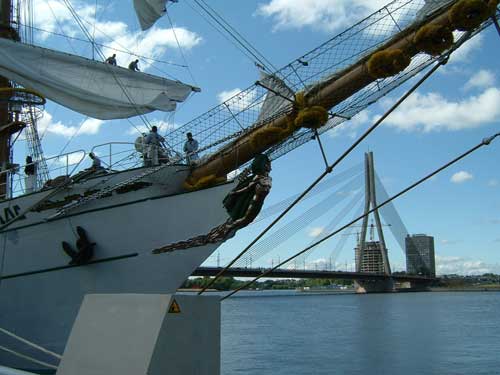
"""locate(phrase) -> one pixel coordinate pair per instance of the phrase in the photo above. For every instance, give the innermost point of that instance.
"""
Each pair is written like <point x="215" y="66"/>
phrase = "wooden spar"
<point x="327" y="94"/>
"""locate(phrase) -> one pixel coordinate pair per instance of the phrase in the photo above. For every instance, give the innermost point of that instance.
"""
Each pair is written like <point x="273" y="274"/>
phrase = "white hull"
<point x="40" y="294"/>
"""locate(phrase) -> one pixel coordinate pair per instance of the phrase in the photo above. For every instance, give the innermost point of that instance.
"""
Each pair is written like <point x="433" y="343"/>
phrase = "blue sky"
<point x="450" y="113"/>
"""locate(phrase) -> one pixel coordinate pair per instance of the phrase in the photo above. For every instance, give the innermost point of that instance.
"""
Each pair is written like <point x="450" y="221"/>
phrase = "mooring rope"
<point x="29" y="343"/>
<point x="28" y="358"/>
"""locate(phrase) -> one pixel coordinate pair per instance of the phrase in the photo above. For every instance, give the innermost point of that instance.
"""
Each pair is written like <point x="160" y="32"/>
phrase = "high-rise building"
<point x="420" y="255"/>
<point x="372" y="260"/>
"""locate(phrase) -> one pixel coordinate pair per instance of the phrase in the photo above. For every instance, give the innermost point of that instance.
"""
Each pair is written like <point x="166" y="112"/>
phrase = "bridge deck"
<point x="308" y="274"/>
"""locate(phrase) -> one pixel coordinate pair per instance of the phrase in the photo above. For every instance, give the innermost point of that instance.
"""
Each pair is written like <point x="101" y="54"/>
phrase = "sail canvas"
<point x="149" y="11"/>
<point x="86" y="86"/>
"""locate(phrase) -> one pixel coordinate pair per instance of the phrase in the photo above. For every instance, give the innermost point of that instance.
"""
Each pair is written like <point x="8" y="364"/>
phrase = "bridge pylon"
<point x="372" y="256"/>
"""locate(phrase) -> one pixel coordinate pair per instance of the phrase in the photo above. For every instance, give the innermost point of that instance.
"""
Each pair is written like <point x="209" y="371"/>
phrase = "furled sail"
<point x="273" y="102"/>
<point x="90" y="87"/>
<point x="148" y="11"/>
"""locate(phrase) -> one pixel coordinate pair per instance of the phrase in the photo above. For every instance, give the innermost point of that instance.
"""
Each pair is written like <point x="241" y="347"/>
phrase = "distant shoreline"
<point x="467" y="289"/>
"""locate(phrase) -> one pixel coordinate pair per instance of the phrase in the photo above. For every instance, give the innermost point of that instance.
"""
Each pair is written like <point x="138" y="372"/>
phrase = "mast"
<point x="6" y="31"/>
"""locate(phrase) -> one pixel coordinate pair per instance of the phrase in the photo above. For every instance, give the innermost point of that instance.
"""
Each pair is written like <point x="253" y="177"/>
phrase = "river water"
<point x="405" y="334"/>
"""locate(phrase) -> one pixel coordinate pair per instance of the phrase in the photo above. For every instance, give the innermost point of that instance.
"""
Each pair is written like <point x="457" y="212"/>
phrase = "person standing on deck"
<point x="153" y="141"/>
<point x="111" y="60"/>
<point x="134" y="66"/>
<point x="190" y="148"/>
<point x="30" y="172"/>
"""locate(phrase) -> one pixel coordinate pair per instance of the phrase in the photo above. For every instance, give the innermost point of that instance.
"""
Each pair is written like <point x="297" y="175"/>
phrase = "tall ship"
<point x="152" y="212"/>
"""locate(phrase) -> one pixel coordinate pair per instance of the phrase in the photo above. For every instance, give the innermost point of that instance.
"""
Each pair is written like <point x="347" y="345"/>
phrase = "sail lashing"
<point x="89" y="87"/>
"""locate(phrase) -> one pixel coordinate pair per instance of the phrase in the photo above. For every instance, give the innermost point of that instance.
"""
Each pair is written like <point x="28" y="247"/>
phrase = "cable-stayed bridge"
<point x="353" y="192"/>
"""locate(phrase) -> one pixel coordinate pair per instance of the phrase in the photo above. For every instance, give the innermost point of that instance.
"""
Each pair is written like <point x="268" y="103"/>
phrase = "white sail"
<point x="90" y="87"/>
<point x="148" y="11"/>
<point x="274" y="103"/>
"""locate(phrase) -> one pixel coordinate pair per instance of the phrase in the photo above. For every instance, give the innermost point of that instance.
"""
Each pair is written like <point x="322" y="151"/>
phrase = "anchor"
<point x="85" y="249"/>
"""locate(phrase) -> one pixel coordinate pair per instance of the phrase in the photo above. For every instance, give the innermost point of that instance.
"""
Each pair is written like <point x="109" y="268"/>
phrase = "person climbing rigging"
<point x="190" y="148"/>
<point x="134" y="66"/>
<point x="111" y="60"/>
<point x="153" y="141"/>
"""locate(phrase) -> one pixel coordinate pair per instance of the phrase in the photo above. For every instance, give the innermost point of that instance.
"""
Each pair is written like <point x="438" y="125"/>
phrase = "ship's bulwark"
<point x="40" y="295"/>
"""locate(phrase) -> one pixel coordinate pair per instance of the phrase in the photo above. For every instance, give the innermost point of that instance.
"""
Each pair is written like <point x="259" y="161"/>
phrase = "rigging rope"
<point x="86" y="33"/>
<point x="247" y="46"/>
<point x="125" y="50"/>
<point x="330" y="168"/>
<point x="180" y="49"/>
<point x="484" y="142"/>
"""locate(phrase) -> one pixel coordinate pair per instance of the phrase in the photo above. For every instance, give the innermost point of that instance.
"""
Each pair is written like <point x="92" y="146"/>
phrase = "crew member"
<point x="134" y="66"/>
<point x="30" y="172"/>
<point x="112" y="59"/>
<point x="190" y="148"/>
<point x="153" y="141"/>
<point x="96" y="162"/>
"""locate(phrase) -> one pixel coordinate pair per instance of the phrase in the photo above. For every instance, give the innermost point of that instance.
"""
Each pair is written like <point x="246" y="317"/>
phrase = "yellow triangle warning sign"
<point x="174" y="308"/>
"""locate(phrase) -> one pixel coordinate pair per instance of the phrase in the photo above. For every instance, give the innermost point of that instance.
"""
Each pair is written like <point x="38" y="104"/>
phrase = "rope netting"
<point x="245" y="110"/>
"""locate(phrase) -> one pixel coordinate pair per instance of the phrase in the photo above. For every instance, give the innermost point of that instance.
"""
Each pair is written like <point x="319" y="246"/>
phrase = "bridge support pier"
<point x="374" y="286"/>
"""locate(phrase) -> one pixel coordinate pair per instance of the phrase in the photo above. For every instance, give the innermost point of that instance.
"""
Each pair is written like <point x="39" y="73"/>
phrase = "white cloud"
<point x="71" y="159"/>
<point x="226" y="95"/>
<point x="238" y="100"/>
<point x="349" y="128"/>
<point x="461" y="177"/>
<point x="446" y="265"/>
<point x="90" y="126"/>
<point x="152" y="44"/>
<point x="319" y="14"/>
<point x="432" y="112"/>
<point x="482" y="79"/>
<point x="47" y="125"/>
<point x="493" y="182"/>
<point x="315" y="232"/>
<point x="137" y="130"/>
<point x="462" y="54"/>
<point x="51" y="15"/>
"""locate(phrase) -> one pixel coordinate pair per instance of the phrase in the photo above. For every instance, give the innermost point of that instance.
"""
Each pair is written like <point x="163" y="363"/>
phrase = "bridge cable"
<point x="294" y="226"/>
<point x="484" y="142"/>
<point x="334" y="254"/>
<point x="334" y="222"/>
<point x="320" y="188"/>
<point x="330" y="168"/>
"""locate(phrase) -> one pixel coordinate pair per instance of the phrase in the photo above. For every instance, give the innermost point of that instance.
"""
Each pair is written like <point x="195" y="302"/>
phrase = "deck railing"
<point x="61" y="165"/>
